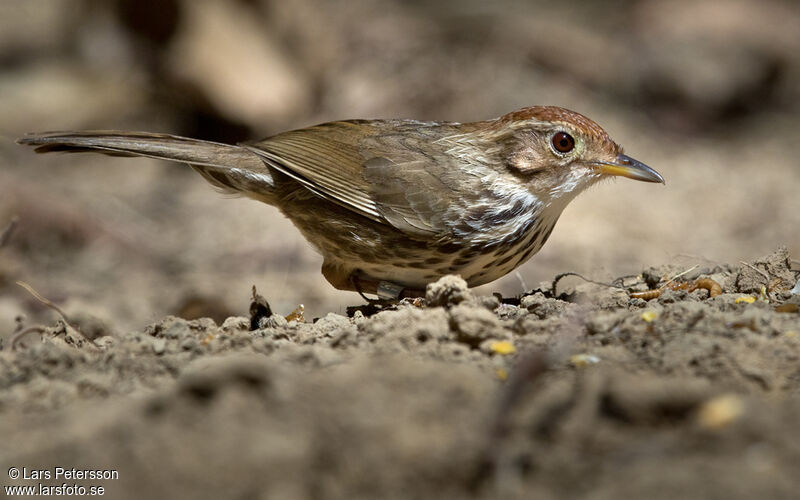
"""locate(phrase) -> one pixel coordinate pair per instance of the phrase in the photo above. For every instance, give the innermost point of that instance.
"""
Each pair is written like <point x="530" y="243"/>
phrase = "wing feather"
<point x="373" y="169"/>
<point x="324" y="160"/>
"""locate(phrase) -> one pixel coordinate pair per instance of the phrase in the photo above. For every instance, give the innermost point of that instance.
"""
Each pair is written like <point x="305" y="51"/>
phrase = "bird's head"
<point x="561" y="152"/>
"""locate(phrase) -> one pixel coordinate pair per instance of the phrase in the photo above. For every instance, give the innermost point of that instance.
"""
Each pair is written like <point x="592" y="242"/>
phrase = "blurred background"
<point x="705" y="92"/>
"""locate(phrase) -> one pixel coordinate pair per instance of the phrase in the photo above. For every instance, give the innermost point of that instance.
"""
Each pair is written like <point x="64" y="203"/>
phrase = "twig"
<point x="5" y="235"/>
<point x="259" y="309"/>
<point x="44" y="301"/>
<point x="759" y="271"/>
<point x="14" y="339"/>
<point x="564" y="275"/>
<point x="619" y="282"/>
<point x="57" y="309"/>
<point x="521" y="281"/>
<point x="681" y="274"/>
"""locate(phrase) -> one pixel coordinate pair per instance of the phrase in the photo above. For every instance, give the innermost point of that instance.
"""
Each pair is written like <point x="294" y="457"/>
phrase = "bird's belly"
<point x="357" y="246"/>
<point x="488" y="267"/>
<point x="477" y="265"/>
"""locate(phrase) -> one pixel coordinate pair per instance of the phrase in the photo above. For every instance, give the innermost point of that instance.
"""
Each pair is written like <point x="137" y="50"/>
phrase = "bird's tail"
<point x="234" y="169"/>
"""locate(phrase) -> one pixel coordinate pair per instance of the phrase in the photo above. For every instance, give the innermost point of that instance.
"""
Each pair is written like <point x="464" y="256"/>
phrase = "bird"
<point x="394" y="204"/>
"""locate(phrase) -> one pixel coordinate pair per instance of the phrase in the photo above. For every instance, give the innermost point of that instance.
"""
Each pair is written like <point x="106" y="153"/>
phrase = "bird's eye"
<point x="563" y="142"/>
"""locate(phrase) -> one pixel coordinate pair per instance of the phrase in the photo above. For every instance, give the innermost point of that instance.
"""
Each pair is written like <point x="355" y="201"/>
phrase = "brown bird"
<point x="395" y="204"/>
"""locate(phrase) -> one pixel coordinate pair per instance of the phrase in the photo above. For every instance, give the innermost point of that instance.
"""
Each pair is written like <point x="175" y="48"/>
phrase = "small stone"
<point x="670" y="296"/>
<point x="772" y="271"/>
<point x="448" y="291"/>
<point x="159" y="345"/>
<point x="409" y="326"/>
<point x="489" y="302"/>
<point x="542" y="306"/>
<point x="190" y="344"/>
<point x="649" y="316"/>
<point x="583" y="360"/>
<point x="274" y="321"/>
<point x="502" y="347"/>
<point x="235" y="323"/>
<point x="474" y="325"/>
<point x="720" y="411"/>
<point x="358" y="317"/>
<point x="331" y="323"/>
<point x="178" y="328"/>
<point x="105" y="343"/>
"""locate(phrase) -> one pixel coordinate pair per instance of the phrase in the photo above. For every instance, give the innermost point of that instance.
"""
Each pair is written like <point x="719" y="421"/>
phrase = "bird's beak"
<point x="626" y="166"/>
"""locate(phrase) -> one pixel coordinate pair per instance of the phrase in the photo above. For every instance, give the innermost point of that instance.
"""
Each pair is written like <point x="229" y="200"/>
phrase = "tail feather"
<point x="232" y="168"/>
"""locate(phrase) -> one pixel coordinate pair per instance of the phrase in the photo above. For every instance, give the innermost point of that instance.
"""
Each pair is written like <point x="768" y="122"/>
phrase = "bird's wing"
<point x="326" y="160"/>
<point x="377" y="170"/>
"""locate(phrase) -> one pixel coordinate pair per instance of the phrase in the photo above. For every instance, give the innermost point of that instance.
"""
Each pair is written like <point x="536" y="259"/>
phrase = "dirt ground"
<point x="582" y="391"/>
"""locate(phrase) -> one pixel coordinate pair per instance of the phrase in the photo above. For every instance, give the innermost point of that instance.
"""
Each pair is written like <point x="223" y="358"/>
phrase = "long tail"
<point x="233" y="169"/>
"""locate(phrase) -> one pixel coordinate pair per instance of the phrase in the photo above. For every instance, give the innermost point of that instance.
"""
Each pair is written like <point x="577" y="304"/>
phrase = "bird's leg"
<point x="361" y="286"/>
<point x="387" y="292"/>
<point x="344" y="278"/>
